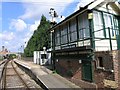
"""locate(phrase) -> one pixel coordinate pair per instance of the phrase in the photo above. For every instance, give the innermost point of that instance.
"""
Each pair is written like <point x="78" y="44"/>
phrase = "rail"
<point x="3" y="80"/>
<point x="20" y="76"/>
<point x="17" y="73"/>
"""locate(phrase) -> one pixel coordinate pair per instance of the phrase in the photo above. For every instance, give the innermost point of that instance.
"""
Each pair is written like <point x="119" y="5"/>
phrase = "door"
<point x="87" y="71"/>
<point x="118" y="42"/>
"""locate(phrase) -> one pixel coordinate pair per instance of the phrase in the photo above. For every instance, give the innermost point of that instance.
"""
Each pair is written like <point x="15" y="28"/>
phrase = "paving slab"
<point x="50" y="80"/>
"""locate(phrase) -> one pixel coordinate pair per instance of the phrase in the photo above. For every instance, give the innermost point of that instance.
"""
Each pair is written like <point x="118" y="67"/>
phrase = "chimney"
<point x="3" y="48"/>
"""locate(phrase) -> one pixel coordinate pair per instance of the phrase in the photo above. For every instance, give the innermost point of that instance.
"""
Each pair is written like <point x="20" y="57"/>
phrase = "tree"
<point x="40" y="38"/>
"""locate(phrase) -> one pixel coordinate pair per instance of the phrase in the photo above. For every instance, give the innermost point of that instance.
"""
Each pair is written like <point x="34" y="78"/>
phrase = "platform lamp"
<point x="44" y="49"/>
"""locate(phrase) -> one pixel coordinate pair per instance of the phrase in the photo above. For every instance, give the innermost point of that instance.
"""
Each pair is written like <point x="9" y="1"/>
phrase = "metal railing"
<point x="106" y="34"/>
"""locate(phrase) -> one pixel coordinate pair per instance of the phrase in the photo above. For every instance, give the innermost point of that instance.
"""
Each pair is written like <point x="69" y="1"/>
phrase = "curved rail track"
<point x="9" y="67"/>
<point x="13" y="78"/>
<point x="24" y="83"/>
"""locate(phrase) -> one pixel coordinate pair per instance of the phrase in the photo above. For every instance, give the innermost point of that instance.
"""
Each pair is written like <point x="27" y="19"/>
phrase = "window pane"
<point x="64" y="34"/>
<point x="64" y="30"/>
<point x="64" y="39"/>
<point x="112" y="23"/>
<point x="57" y="37"/>
<point x="81" y="34"/>
<point x="98" y="24"/>
<point x="97" y="20"/>
<point x="57" y="40"/>
<point x="107" y="20"/>
<point x="72" y="26"/>
<point x="74" y="36"/>
<point x="72" y="31"/>
<point x="83" y="26"/>
<point x="86" y="33"/>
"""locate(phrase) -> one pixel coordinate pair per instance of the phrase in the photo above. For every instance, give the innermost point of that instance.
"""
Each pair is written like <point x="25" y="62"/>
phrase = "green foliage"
<point x="39" y="39"/>
<point x="54" y="72"/>
<point x="1" y="58"/>
<point x="12" y="56"/>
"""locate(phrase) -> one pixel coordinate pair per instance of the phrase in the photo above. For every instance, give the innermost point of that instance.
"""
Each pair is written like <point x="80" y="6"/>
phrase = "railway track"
<point x="14" y="78"/>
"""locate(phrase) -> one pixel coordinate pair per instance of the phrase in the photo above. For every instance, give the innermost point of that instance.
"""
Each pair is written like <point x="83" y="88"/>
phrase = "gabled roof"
<point x="93" y="5"/>
<point x="116" y="7"/>
<point x="111" y="6"/>
<point x="82" y="9"/>
<point x="3" y="52"/>
<point x="100" y="3"/>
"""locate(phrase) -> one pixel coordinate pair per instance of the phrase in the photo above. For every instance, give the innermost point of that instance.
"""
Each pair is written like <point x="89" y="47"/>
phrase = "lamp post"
<point x="23" y="47"/>
<point x="19" y="53"/>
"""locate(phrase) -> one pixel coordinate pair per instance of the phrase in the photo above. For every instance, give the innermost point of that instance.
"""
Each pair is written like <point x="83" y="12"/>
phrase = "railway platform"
<point x="49" y="79"/>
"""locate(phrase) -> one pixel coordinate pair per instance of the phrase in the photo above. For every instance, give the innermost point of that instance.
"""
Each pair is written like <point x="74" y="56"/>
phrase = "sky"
<point x="19" y="18"/>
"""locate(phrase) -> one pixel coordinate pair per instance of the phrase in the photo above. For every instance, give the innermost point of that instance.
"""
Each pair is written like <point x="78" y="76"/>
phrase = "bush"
<point x="12" y="56"/>
<point x="1" y="58"/>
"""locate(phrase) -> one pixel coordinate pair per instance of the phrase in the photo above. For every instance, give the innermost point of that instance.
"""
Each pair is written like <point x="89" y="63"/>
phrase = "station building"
<point x="86" y="45"/>
<point x="3" y="53"/>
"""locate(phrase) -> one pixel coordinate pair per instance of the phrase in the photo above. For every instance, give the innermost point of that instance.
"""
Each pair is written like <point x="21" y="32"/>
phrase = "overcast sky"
<point x="19" y="18"/>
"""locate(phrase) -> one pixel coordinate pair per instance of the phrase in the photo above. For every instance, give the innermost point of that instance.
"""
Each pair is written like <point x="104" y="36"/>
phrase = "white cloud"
<point x="37" y="8"/>
<point x="0" y="23"/>
<point x="18" y="24"/>
<point x="27" y="36"/>
<point x="7" y="36"/>
<point x="34" y="26"/>
<point x="34" y="0"/>
<point x="31" y="28"/>
<point x="0" y="16"/>
<point x="6" y="42"/>
<point x="83" y="3"/>
<point x="62" y="18"/>
<point x="33" y="11"/>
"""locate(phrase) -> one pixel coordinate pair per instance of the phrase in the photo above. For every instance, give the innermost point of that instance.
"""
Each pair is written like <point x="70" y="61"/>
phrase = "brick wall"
<point x="111" y="62"/>
<point x="101" y="74"/>
<point x="116" y="60"/>
<point x="68" y="67"/>
<point x="119" y="69"/>
<point x="107" y="59"/>
<point x="64" y="66"/>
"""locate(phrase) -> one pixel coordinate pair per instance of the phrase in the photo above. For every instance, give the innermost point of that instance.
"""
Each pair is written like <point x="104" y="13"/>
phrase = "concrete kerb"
<point x="32" y="75"/>
<point x="70" y="84"/>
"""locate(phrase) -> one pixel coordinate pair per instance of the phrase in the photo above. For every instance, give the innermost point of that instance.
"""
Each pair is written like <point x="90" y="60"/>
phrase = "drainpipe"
<point x="53" y="49"/>
<point x="110" y="41"/>
<point x="110" y="38"/>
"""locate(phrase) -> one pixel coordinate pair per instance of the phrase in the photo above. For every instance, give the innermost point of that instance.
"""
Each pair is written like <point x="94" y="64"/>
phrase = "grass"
<point x="54" y="72"/>
<point x="1" y="58"/>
